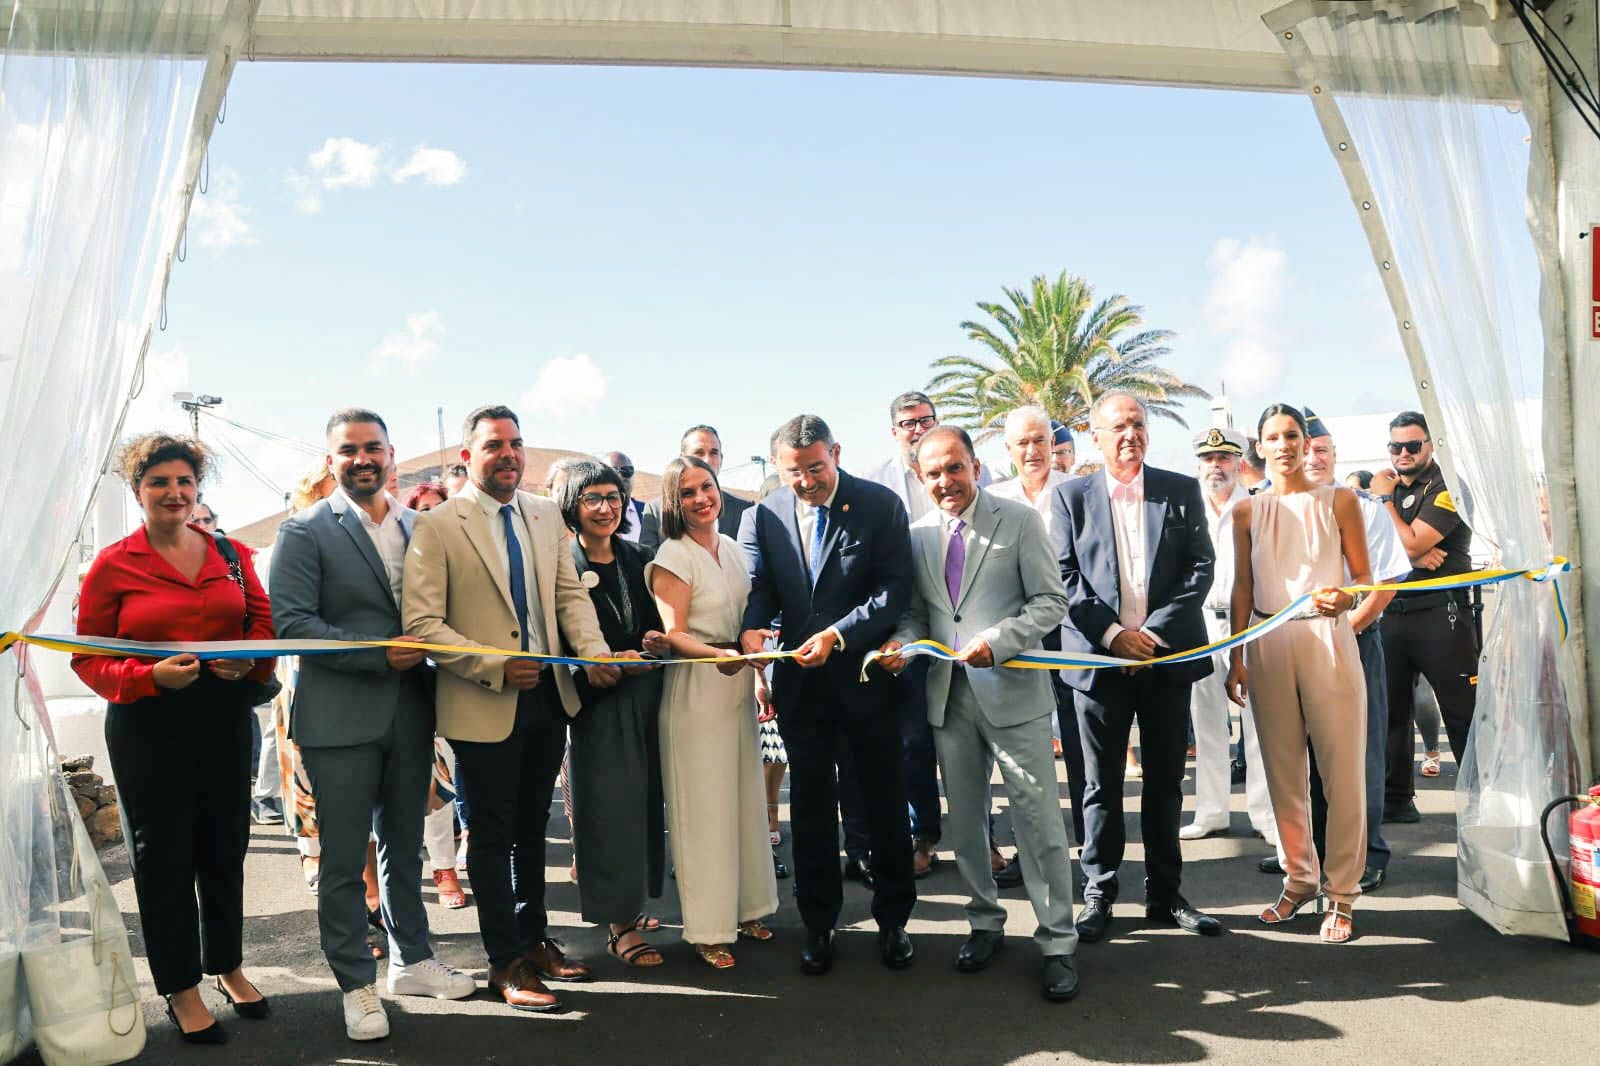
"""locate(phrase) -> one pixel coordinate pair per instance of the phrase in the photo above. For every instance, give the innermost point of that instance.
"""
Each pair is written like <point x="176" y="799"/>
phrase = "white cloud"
<point x="435" y="166"/>
<point x="1244" y="308"/>
<point x="412" y="347"/>
<point x="346" y="163"/>
<point x="217" y="219"/>
<point x="566" y="386"/>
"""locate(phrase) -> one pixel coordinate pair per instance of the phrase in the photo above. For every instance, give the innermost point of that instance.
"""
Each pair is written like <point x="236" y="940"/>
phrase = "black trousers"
<point x="508" y="786"/>
<point x="1071" y="739"/>
<point x="815" y="728"/>
<point x="1441" y="644"/>
<point x="1160" y="703"/>
<point x="182" y="767"/>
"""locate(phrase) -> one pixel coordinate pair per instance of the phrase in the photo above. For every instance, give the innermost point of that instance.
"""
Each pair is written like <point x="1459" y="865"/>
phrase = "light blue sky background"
<point x="735" y="247"/>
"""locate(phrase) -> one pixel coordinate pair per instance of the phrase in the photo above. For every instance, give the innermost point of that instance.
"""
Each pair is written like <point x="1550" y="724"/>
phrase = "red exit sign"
<point x="1594" y="282"/>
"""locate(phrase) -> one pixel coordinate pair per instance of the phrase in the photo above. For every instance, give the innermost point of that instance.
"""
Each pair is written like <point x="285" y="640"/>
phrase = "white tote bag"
<point x="82" y="990"/>
<point x="10" y="1002"/>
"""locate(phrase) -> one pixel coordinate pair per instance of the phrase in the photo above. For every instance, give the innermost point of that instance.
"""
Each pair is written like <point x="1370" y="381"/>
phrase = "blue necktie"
<point x="519" y="577"/>
<point x="819" y="533"/>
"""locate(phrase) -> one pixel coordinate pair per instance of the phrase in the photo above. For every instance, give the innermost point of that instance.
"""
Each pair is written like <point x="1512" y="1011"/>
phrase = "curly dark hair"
<point x="152" y="449"/>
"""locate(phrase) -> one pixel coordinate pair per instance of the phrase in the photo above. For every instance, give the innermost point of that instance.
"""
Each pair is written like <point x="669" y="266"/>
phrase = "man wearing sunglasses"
<point x="1425" y="631"/>
<point x="633" y="514"/>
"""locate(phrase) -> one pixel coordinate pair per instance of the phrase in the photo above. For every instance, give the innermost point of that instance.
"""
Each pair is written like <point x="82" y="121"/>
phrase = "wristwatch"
<point x="1383" y="497"/>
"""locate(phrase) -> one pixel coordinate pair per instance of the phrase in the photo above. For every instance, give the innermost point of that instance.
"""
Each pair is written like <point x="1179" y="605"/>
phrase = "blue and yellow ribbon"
<point x="1068" y="660"/>
<point x="1030" y="660"/>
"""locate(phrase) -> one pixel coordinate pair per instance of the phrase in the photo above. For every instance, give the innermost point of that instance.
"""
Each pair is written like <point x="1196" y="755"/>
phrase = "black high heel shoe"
<point x="211" y="1034"/>
<point x="255" y="1009"/>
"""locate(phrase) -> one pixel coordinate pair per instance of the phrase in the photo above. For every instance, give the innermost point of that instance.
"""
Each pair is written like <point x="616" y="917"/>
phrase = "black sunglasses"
<point x="1410" y="447"/>
<point x="625" y="471"/>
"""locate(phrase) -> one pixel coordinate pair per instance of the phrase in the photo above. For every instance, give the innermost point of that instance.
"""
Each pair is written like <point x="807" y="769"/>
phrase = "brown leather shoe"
<point x="546" y="958"/>
<point x="521" y="988"/>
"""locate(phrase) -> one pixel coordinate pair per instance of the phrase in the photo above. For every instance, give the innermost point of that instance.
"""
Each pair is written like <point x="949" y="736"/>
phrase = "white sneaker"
<point x="1196" y="831"/>
<point x="364" y="1018"/>
<point x="430" y="977"/>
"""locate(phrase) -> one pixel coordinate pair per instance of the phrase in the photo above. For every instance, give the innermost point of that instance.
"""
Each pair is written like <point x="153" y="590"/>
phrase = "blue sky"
<point x="622" y="252"/>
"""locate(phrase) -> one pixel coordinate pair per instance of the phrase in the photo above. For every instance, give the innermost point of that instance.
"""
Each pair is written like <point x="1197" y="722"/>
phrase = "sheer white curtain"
<point x="97" y="102"/>
<point x="1401" y="88"/>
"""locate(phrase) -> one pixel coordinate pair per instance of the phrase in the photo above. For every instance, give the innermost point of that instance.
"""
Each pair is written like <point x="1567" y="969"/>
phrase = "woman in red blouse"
<point x="178" y="730"/>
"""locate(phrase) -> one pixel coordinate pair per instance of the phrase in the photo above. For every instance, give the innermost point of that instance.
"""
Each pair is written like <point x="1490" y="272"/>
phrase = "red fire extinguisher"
<point x="1582" y="897"/>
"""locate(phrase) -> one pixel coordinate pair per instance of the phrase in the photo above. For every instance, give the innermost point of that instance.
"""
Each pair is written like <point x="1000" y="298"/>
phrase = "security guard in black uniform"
<point x="1430" y="632"/>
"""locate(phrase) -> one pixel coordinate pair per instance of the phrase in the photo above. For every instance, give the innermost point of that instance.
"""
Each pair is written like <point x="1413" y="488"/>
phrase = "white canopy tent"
<point x="106" y="108"/>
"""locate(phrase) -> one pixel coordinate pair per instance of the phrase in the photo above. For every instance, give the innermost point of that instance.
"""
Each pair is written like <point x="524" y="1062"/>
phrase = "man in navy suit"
<point x="830" y="563"/>
<point x="1136" y="558"/>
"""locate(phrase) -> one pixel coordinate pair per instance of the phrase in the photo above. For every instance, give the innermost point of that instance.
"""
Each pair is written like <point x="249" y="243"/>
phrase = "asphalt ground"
<point x="1425" y="981"/>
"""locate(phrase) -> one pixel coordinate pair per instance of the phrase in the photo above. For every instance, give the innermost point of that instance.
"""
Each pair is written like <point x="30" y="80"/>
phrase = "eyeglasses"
<point x="625" y="471"/>
<point x="594" y="501"/>
<point x="1410" y="447"/>
<point x="925" y="422"/>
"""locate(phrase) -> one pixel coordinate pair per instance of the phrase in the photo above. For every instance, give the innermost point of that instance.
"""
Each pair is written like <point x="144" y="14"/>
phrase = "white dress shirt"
<point x="1133" y="568"/>
<point x="1384" y="550"/>
<point x="917" y="501"/>
<point x="1221" y="595"/>
<point x="388" y="538"/>
<point x="1012" y="489"/>
<point x="497" y="530"/>
<point x="806" y="515"/>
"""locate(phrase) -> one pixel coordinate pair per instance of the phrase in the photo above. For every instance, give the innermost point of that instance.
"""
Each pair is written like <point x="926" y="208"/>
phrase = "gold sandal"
<point x="755" y="930"/>
<point x="1339" y="926"/>
<point x="715" y="956"/>
<point x="1274" y="915"/>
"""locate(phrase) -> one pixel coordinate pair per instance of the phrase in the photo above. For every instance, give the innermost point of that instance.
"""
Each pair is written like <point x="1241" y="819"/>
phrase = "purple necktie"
<point x="955" y="561"/>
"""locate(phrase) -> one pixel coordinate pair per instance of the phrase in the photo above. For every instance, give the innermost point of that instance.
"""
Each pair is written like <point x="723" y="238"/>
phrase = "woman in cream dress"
<point x="710" y="754"/>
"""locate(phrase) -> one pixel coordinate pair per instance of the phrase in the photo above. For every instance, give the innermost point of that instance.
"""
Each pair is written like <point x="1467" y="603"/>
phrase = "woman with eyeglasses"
<point x="617" y="817"/>
<point x="1304" y="678"/>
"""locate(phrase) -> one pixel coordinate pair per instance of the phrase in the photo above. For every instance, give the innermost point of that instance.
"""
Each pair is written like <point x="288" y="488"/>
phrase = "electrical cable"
<point x="245" y="462"/>
<point x="1587" y="107"/>
<point x="290" y="442"/>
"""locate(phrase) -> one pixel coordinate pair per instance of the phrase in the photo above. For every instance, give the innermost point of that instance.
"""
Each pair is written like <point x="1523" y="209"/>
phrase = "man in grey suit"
<point x="703" y="443"/>
<point x="987" y="584"/>
<point x="363" y="720"/>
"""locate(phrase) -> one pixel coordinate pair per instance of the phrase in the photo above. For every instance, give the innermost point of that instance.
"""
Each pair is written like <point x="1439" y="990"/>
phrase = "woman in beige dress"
<point x="1304" y="679"/>
<point x="710" y="756"/>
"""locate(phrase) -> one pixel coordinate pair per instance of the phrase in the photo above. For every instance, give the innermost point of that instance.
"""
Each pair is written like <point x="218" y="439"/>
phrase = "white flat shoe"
<point x="430" y="977"/>
<point x="1196" y="831"/>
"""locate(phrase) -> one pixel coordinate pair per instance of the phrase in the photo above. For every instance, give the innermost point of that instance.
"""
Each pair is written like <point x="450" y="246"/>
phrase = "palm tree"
<point x="1059" y="349"/>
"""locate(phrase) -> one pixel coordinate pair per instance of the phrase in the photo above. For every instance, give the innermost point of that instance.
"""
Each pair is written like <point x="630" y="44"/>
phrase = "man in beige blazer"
<point x="489" y="567"/>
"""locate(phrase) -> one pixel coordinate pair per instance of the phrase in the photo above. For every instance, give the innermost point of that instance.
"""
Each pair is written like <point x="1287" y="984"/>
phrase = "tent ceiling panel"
<point x="1182" y="42"/>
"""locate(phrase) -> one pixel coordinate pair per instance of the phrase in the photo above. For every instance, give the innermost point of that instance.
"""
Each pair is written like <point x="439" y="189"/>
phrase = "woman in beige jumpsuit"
<point x="1304" y="679"/>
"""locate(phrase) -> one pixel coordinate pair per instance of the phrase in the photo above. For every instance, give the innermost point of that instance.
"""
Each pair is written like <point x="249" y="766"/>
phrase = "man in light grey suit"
<point x="987" y="585"/>
<point x="702" y="442"/>
<point x="363" y="720"/>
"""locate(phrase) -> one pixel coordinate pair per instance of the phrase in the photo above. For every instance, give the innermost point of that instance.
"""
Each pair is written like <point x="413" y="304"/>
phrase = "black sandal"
<point x="634" y="956"/>
<point x="211" y="1034"/>
<point x="255" y="1009"/>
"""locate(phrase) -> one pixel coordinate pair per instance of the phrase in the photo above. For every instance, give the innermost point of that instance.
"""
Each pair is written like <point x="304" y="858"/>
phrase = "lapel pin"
<point x="845" y="508"/>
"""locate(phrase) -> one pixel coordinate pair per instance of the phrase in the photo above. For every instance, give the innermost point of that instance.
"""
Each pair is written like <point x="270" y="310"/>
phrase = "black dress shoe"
<point x="979" y="949"/>
<point x="1093" y="921"/>
<point x="255" y="1009"/>
<point x="1373" y="877"/>
<point x="211" y="1034"/>
<point x="1236" y="772"/>
<point x="1185" y="917"/>
<point x="1270" y="865"/>
<point x="860" y="870"/>
<point x="779" y="870"/>
<point x="896" y="947"/>
<point x="1010" y="875"/>
<point x="1060" y="981"/>
<point x="816" y="958"/>
<point x="1405" y="813"/>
